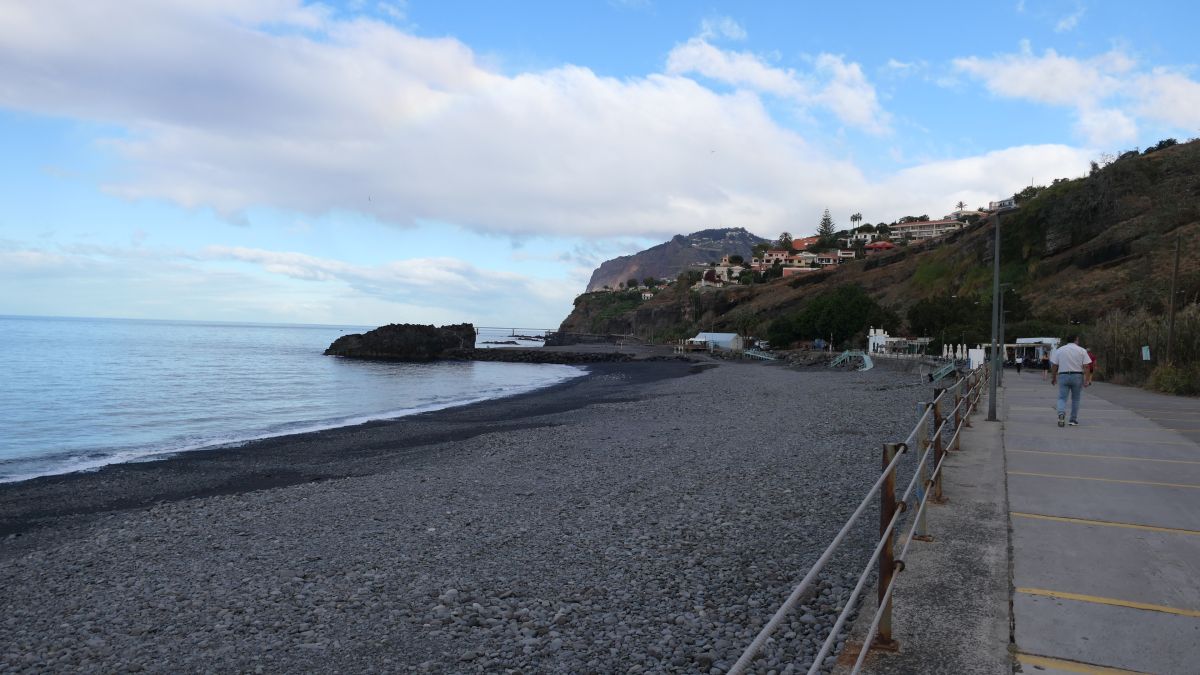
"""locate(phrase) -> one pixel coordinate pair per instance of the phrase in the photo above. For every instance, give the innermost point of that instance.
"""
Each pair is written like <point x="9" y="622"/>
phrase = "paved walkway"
<point x="1105" y="530"/>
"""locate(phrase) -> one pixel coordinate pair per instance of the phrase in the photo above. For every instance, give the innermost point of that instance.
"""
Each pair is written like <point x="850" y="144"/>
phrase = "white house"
<point x="775" y="255"/>
<point x="877" y="340"/>
<point x="730" y="341"/>
<point x="925" y="229"/>
<point x="855" y="237"/>
<point x="802" y="258"/>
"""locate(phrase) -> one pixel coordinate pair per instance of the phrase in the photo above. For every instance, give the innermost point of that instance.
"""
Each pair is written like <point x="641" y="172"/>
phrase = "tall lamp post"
<point x="1004" y="288"/>
<point x="995" y="374"/>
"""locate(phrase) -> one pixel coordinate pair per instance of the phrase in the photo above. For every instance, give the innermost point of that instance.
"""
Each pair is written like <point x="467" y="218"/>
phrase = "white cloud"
<point x="1108" y="92"/>
<point x="397" y="11"/>
<point x="1106" y="126"/>
<point x="1049" y="78"/>
<point x="1070" y="21"/>
<point x="310" y="113"/>
<point x="898" y="68"/>
<point x="740" y="69"/>
<point x="980" y="179"/>
<point x="834" y="84"/>
<point x="1169" y="97"/>
<point x="849" y="95"/>
<point x="319" y="114"/>
<point x="176" y="283"/>
<point x="721" y="27"/>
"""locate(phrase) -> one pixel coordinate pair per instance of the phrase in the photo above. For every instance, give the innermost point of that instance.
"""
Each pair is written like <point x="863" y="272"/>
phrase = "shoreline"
<point x="270" y="462"/>
<point x="301" y="428"/>
<point x="649" y="517"/>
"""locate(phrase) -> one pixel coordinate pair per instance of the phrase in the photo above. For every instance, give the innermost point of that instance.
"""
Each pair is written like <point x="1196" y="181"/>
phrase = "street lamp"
<point x="1004" y="288"/>
<point x="995" y="320"/>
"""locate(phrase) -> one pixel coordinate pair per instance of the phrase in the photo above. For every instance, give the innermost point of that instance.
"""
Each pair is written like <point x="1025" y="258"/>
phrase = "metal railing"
<point x="965" y="393"/>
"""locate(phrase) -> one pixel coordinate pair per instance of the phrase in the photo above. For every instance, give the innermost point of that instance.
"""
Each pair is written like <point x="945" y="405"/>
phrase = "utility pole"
<point x="1171" y="315"/>
<point x="995" y="322"/>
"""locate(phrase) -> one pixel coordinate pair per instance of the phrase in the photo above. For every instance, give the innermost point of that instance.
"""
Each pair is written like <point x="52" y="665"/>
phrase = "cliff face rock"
<point x="667" y="260"/>
<point x="405" y="342"/>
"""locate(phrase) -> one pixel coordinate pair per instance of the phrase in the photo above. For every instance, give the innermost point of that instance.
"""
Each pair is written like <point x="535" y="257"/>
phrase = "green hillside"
<point x="1091" y="254"/>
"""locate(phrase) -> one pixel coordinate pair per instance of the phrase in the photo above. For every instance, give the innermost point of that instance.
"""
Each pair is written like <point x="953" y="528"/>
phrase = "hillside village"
<point x="786" y="257"/>
<point x="1091" y="254"/>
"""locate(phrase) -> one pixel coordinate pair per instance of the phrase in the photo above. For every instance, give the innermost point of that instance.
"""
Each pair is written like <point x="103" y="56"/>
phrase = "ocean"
<point x="78" y="394"/>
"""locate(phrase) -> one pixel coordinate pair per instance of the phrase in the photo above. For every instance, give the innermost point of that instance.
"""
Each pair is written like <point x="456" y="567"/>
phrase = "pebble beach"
<point x="648" y="517"/>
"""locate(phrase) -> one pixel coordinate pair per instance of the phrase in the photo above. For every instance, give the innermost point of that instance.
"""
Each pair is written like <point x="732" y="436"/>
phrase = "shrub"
<point x="1171" y="379"/>
<point x="845" y="313"/>
<point x="1118" y="337"/>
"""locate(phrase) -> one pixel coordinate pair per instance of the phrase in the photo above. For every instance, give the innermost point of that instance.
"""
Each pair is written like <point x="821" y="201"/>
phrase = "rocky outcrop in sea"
<point x="405" y="342"/>
<point x="414" y="342"/>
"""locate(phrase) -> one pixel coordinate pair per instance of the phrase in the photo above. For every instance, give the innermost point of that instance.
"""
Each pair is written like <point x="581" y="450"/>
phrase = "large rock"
<point x="405" y="342"/>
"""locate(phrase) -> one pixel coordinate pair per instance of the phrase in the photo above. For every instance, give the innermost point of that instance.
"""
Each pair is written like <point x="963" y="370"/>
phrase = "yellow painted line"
<point x="1120" y="457"/>
<point x="1109" y="601"/>
<point x="1072" y="666"/>
<point x="1094" y="412"/>
<point x="1151" y="410"/>
<point x="1105" y="523"/>
<point x="1072" y="434"/>
<point x="1104" y="480"/>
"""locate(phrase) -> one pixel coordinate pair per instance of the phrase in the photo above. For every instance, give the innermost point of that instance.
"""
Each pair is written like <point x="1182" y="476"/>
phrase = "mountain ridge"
<point x="668" y="259"/>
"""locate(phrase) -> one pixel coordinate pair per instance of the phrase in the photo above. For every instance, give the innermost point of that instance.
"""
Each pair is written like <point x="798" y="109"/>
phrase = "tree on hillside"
<point x="826" y="228"/>
<point x="759" y="250"/>
<point x="649" y="282"/>
<point x="855" y="219"/>
<point x="632" y="282"/>
<point x="866" y="228"/>
<point x="736" y="260"/>
<point x="785" y="241"/>
<point x="1027" y="194"/>
<point x="1161" y="145"/>
<point x="845" y="313"/>
<point x="960" y="205"/>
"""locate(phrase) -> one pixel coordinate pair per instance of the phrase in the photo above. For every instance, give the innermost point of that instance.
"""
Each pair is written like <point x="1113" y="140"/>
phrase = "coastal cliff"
<point x="668" y="259"/>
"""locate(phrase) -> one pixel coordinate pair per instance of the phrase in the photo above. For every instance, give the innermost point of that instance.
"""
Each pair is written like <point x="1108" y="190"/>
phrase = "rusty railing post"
<point x="973" y="378"/>
<point x="887" y="561"/>
<point x="921" y="533"/>
<point x="958" y="399"/>
<point x="938" y="450"/>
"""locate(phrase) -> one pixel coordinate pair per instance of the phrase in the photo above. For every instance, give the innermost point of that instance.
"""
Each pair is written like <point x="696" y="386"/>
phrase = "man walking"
<point x="1068" y="364"/>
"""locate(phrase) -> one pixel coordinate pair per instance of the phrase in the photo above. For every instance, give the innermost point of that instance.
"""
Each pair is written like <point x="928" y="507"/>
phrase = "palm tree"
<point x="960" y="205"/>
<point x="855" y="219"/>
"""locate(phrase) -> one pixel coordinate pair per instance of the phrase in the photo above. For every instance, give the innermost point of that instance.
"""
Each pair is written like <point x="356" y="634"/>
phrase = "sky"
<point x="378" y="161"/>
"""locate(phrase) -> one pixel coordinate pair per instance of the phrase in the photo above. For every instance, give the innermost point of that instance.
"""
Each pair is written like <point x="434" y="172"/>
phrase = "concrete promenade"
<point x="951" y="602"/>
<point x="1105" y="522"/>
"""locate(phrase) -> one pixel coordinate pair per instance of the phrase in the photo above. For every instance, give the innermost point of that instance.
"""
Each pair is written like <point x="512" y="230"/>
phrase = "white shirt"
<point x="1070" y="358"/>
